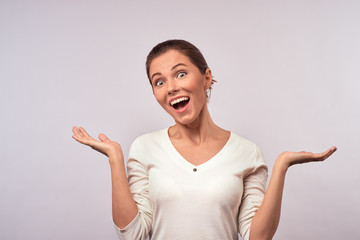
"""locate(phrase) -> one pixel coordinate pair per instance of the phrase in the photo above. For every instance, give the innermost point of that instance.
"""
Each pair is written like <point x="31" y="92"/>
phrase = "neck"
<point x="198" y="131"/>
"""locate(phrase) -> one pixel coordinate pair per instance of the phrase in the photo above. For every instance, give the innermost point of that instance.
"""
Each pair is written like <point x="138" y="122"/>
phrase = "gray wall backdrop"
<point x="288" y="79"/>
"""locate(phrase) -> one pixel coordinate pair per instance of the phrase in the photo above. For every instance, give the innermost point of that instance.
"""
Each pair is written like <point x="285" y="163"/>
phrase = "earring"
<point x="208" y="92"/>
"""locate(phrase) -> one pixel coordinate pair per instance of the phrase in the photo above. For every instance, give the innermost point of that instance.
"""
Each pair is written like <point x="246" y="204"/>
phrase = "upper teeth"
<point x="179" y="100"/>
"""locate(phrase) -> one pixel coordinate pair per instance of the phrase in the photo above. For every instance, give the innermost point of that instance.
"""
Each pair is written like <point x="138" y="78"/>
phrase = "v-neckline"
<point x="188" y="164"/>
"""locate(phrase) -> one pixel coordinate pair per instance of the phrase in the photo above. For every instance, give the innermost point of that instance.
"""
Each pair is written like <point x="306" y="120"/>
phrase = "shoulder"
<point x="149" y="140"/>
<point x="245" y="147"/>
<point x="241" y="142"/>
<point x="151" y="137"/>
<point x="147" y="145"/>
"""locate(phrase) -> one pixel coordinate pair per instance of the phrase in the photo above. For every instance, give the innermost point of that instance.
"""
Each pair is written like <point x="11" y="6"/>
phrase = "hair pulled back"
<point x="185" y="47"/>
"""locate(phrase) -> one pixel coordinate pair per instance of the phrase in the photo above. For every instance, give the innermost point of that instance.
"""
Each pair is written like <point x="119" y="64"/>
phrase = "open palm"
<point x="292" y="158"/>
<point x="104" y="146"/>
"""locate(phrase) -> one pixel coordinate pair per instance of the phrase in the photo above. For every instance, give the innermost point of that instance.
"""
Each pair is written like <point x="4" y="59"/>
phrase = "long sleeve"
<point x="138" y="178"/>
<point x="254" y="191"/>
<point x="178" y="200"/>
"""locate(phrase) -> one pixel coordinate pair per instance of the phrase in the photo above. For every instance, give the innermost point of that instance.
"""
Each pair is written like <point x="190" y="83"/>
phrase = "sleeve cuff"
<point x="129" y="226"/>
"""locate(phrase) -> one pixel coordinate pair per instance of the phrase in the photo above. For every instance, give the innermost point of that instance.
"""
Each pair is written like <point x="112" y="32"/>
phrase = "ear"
<point x="207" y="79"/>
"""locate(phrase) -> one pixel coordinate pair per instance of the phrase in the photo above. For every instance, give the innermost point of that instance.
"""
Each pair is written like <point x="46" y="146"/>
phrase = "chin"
<point x="185" y="120"/>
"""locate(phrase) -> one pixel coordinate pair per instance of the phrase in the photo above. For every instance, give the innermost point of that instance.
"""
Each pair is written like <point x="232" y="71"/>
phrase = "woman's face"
<point x="179" y="86"/>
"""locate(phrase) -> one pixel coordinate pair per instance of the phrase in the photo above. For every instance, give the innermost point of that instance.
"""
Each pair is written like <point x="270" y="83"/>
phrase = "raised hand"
<point x="104" y="146"/>
<point x="292" y="158"/>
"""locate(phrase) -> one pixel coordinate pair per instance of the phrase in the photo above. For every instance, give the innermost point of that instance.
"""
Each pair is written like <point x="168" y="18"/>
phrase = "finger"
<point x="84" y="133"/>
<point x="324" y="155"/>
<point x="329" y="152"/>
<point x="90" y="140"/>
<point x="82" y="136"/>
<point x="80" y="139"/>
<point x="76" y="132"/>
<point x="82" y="130"/>
<point x="103" y="138"/>
<point x="74" y="129"/>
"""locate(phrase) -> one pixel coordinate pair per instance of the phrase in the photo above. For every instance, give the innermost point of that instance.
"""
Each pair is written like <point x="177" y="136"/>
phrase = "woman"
<point x="193" y="180"/>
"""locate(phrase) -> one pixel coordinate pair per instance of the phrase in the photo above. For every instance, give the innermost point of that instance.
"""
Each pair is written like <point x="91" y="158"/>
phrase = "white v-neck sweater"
<point x="178" y="200"/>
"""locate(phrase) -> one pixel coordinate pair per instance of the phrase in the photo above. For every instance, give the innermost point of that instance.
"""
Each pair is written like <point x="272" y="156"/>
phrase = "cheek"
<point x="159" y="96"/>
<point x="199" y="90"/>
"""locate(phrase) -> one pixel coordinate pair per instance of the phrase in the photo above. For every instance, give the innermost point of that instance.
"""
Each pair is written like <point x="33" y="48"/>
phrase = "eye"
<point x="181" y="75"/>
<point x="159" y="82"/>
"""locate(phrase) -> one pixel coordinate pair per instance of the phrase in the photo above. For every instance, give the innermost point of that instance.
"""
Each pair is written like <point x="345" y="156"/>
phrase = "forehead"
<point x="167" y="60"/>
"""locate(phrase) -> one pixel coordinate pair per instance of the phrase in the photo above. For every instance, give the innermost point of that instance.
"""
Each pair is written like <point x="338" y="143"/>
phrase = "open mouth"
<point x="180" y="103"/>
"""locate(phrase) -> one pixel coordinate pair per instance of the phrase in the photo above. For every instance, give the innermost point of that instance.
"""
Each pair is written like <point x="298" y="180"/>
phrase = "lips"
<point x="179" y="104"/>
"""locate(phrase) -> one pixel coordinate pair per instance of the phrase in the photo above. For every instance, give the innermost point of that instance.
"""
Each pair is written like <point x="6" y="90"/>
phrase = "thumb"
<point x="103" y="138"/>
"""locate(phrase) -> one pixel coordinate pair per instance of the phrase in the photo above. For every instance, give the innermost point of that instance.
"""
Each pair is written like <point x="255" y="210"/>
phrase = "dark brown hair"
<point x="186" y="48"/>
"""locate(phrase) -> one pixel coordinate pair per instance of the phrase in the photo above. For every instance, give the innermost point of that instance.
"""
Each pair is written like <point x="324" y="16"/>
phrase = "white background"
<point x="288" y="79"/>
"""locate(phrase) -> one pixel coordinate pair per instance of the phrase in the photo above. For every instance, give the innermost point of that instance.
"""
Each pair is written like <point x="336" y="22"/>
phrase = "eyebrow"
<point x="177" y="65"/>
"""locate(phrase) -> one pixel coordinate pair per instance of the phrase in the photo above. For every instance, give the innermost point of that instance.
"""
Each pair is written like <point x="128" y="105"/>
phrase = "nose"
<point x="172" y="86"/>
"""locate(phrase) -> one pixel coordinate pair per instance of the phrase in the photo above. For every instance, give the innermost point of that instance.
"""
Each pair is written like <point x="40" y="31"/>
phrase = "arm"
<point x="266" y="219"/>
<point x="124" y="208"/>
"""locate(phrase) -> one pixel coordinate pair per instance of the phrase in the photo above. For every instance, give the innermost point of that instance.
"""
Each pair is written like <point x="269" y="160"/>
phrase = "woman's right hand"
<point x="124" y="208"/>
<point x="104" y="146"/>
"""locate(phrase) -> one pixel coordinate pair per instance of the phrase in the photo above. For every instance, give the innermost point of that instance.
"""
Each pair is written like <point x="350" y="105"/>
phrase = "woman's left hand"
<point x="292" y="158"/>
